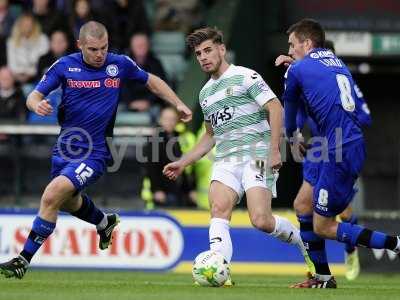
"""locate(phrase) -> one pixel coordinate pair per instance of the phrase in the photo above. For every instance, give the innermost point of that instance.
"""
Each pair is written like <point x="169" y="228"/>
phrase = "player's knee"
<point x="263" y="222"/>
<point x="219" y="210"/>
<point x="302" y="206"/>
<point x="322" y="230"/>
<point x="54" y="195"/>
<point x="49" y="200"/>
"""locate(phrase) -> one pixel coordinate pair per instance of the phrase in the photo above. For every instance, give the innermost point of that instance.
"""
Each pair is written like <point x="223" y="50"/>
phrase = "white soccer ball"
<point x="210" y="268"/>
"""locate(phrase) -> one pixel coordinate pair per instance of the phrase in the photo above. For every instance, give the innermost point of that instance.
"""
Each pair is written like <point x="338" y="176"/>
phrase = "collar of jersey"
<point x="223" y="75"/>
<point x="316" y="50"/>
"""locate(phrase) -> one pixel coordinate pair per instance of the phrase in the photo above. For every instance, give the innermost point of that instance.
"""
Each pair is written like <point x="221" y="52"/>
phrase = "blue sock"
<point x="356" y="235"/>
<point x="314" y="244"/>
<point x="88" y="211"/>
<point x="41" y="229"/>
<point x="353" y="220"/>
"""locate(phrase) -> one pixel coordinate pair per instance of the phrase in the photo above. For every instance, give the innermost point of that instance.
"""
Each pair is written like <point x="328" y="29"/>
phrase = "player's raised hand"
<point x="185" y="114"/>
<point x="173" y="170"/>
<point x="44" y="108"/>
<point x="283" y="59"/>
<point x="275" y="160"/>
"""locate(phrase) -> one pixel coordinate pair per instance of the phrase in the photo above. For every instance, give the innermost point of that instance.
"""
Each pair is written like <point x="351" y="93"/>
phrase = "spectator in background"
<point x="25" y="46"/>
<point x="177" y="15"/>
<point x="59" y="46"/>
<point x="83" y="11"/>
<point x="136" y="97"/>
<point x="49" y="18"/>
<point x="132" y="18"/>
<point x="12" y="101"/>
<point x="163" y="148"/>
<point x="7" y="20"/>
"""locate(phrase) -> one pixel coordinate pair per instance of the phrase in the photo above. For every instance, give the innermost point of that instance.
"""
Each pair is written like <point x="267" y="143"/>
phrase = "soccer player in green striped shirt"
<point x="236" y="102"/>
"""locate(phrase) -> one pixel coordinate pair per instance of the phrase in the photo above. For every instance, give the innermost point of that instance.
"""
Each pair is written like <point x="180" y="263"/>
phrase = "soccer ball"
<point x="210" y="268"/>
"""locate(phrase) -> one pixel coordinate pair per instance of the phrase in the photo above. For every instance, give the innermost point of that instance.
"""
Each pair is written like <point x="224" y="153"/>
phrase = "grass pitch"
<point x="46" y="285"/>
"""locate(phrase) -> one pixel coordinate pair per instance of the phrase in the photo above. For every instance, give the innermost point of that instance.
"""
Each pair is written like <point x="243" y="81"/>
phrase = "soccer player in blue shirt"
<point x="320" y="82"/>
<point x="310" y="168"/>
<point x="90" y="80"/>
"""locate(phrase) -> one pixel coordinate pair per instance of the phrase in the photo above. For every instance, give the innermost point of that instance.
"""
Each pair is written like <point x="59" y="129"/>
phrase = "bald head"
<point x="93" y="41"/>
<point x="93" y="29"/>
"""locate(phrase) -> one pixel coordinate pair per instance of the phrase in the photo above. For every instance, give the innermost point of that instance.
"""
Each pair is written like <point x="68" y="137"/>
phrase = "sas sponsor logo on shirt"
<point x="91" y="84"/>
<point x="222" y="116"/>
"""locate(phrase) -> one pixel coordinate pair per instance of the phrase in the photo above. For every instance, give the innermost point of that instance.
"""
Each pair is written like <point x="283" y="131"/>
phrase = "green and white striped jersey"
<point x="233" y="104"/>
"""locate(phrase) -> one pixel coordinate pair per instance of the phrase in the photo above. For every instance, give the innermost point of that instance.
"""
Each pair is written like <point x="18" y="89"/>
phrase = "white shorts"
<point x="240" y="176"/>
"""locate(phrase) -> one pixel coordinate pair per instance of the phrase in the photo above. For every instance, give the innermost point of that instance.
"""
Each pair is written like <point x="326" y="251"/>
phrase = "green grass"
<point x="43" y="285"/>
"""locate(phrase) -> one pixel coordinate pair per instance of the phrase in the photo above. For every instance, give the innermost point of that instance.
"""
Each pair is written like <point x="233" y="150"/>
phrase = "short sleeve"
<point x="258" y="89"/>
<point x="133" y="71"/>
<point x="52" y="79"/>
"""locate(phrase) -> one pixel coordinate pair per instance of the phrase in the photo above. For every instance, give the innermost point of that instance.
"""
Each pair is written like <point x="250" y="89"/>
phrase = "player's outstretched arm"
<point x="275" y="110"/>
<point x="206" y="143"/>
<point x="159" y="87"/>
<point x="38" y="104"/>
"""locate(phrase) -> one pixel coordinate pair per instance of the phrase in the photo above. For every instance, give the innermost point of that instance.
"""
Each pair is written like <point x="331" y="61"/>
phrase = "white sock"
<point x="288" y="233"/>
<point x="397" y="249"/>
<point x="220" y="239"/>
<point x="103" y="223"/>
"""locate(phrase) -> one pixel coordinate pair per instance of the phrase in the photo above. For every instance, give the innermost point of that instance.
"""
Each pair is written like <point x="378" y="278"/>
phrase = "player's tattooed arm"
<point x="159" y="87"/>
<point x="38" y="104"/>
<point x="275" y="110"/>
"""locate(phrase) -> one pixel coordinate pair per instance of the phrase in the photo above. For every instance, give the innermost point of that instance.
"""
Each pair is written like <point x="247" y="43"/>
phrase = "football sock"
<point x="220" y="239"/>
<point x="286" y="231"/>
<point x="315" y="246"/>
<point x="41" y="229"/>
<point x="352" y="220"/>
<point x="356" y="235"/>
<point x="90" y="213"/>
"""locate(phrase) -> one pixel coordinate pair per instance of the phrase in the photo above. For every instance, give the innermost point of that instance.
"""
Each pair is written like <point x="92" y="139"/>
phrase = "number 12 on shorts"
<point x="83" y="172"/>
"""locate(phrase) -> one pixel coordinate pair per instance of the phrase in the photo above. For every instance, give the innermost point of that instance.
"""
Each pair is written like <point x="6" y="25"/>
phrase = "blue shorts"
<point x="334" y="188"/>
<point x="81" y="173"/>
<point x="311" y="171"/>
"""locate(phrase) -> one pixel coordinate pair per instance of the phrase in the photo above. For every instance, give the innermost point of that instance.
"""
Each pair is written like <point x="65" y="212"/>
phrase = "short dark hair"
<point x="203" y="34"/>
<point x="308" y="29"/>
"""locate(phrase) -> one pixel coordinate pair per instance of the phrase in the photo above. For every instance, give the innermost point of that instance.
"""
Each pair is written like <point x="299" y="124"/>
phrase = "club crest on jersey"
<point x="112" y="70"/>
<point x="229" y="91"/>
